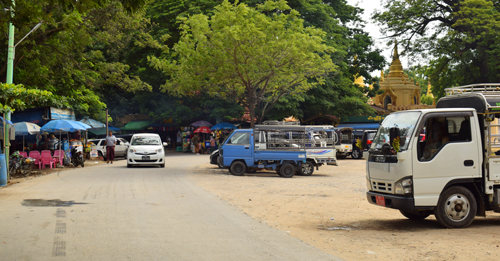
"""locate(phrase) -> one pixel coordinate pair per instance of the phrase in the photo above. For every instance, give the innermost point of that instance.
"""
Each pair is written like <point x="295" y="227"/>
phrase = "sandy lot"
<point x="329" y="210"/>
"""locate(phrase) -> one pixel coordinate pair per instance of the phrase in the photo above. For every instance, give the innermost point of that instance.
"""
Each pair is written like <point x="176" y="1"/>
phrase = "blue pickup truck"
<point x="240" y="155"/>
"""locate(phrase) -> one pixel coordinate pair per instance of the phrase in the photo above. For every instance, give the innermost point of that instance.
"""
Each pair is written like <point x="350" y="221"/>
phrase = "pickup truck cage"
<point x="295" y="137"/>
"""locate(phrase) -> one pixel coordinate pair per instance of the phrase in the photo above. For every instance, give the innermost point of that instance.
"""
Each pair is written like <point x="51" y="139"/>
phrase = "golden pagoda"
<point x="400" y="93"/>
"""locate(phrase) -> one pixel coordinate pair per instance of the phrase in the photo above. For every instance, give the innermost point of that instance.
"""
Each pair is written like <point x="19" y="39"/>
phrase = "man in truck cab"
<point x="437" y="138"/>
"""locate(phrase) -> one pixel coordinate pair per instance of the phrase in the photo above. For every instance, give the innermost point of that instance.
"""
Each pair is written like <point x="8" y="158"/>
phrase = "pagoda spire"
<point x="396" y="54"/>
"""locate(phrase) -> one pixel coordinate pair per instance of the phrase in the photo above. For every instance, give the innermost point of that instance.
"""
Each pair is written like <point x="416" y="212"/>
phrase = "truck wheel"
<point x="238" y="168"/>
<point x="356" y="154"/>
<point x="456" y="208"/>
<point x="418" y="215"/>
<point x="287" y="170"/>
<point x="306" y="168"/>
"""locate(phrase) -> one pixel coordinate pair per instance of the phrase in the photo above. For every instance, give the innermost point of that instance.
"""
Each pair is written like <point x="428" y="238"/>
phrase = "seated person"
<point x="436" y="138"/>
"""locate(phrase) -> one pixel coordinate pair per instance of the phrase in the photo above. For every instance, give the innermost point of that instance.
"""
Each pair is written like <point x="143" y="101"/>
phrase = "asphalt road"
<point x="110" y="212"/>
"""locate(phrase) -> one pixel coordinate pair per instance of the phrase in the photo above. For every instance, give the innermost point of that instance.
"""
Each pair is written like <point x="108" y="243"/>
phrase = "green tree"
<point x="17" y="97"/>
<point x="79" y="52"/>
<point x="241" y="53"/>
<point x="459" y="38"/>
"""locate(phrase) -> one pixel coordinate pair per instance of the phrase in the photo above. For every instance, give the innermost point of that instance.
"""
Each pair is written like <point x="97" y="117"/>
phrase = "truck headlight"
<point x="404" y="186"/>
<point x="368" y="184"/>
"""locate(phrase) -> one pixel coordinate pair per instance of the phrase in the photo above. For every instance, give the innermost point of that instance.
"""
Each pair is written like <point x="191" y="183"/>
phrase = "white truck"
<point x="454" y="173"/>
<point x="316" y="140"/>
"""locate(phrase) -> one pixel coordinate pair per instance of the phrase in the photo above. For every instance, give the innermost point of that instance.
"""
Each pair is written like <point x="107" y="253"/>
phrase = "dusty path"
<point x="111" y="212"/>
<point x="329" y="211"/>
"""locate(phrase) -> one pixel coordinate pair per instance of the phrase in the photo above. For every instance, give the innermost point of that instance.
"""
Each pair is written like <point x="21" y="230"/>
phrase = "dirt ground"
<point x="329" y="210"/>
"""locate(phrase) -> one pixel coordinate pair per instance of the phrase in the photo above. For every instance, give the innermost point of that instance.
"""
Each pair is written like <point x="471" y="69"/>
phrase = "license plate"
<point x="379" y="159"/>
<point x="145" y="157"/>
<point x="380" y="200"/>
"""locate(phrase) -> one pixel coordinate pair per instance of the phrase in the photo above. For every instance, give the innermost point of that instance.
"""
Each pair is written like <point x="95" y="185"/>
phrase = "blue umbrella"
<point x="224" y="126"/>
<point x="64" y="125"/>
<point x="6" y="121"/>
<point x="26" y="128"/>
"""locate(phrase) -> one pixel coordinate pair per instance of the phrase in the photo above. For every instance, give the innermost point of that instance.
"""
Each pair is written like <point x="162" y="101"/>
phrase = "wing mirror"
<point x="165" y="144"/>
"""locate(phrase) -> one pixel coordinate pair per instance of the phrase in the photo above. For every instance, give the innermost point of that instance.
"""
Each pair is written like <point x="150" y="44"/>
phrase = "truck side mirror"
<point x="393" y="133"/>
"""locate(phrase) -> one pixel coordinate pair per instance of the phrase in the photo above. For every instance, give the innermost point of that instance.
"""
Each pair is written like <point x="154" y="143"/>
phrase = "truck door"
<point x="449" y="151"/>
<point x="238" y="146"/>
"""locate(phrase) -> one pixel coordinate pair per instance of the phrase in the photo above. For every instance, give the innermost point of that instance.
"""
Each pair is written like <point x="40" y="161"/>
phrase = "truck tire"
<point x="287" y="170"/>
<point x="306" y="169"/>
<point x="356" y="154"/>
<point x="456" y="207"/>
<point x="418" y="215"/>
<point x="238" y="168"/>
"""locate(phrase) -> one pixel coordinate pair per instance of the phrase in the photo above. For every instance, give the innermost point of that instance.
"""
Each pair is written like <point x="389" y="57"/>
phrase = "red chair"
<point x="46" y="159"/>
<point x="35" y="154"/>
<point x="23" y="153"/>
<point x="59" y="156"/>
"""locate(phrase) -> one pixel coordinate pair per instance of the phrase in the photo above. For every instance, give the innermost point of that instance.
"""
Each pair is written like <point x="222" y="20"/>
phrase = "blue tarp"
<point x="360" y="126"/>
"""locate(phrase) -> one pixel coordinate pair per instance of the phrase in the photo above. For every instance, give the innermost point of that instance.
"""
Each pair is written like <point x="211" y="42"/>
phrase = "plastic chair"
<point x="35" y="154"/>
<point x="46" y="159"/>
<point x="46" y="151"/>
<point x="23" y="153"/>
<point x="59" y="156"/>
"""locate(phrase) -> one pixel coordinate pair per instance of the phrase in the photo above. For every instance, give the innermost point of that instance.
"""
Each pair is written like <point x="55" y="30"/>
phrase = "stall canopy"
<point x="201" y="124"/>
<point x="137" y="125"/>
<point x="360" y="126"/>
<point x="223" y="126"/>
<point x="93" y="123"/>
<point x="102" y="131"/>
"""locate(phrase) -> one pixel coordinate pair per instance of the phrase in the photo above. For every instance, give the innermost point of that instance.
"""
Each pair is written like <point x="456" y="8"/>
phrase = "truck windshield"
<point x="405" y="121"/>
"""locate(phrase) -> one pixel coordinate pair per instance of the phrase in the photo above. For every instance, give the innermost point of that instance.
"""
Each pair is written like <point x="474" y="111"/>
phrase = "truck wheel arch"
<point x="470" y="184"/>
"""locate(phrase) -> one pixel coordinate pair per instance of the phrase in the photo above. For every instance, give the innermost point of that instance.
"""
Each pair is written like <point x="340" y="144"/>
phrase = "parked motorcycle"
<point x="20" y="165"/>
<point x="77" y="157"/>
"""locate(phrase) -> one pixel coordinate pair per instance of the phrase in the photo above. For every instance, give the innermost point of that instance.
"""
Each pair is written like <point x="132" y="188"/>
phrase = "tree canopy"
<point x="243" y="54"/>
<point x="458" y="40"/>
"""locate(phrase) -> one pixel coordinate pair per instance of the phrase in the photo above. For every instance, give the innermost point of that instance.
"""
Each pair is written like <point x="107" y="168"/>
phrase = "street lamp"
<point x="10" y="74"/>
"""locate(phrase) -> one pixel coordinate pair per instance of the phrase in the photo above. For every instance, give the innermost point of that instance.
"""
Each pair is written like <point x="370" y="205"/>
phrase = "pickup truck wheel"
<point x="287" y="170"/>
<point x="418" y="215"/>
<point x="456" y="208"/>
<point x="306" y="168"/>
<point x="238" y="168"/>
<point x="356" y="154"/>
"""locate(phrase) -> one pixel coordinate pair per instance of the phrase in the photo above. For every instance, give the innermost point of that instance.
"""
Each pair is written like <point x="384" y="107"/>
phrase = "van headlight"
<point x="159" y="150"/>
<point x="404" y="186"/>
<point x="131" y="150"/>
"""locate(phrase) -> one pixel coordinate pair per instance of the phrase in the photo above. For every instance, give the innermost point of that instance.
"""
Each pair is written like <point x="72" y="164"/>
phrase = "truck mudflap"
<point x="391" y="201"/>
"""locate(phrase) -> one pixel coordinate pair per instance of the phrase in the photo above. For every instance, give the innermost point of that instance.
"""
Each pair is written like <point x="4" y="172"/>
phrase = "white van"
<point x="146" y="149"/>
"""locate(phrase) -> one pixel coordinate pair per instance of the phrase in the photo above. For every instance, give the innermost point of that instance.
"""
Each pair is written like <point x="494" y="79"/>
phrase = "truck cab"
<point x="454" y="172"/>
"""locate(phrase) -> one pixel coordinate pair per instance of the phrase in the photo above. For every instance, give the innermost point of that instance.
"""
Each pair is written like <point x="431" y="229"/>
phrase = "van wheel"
<point x="306" y="169"/>
<point x="418" y="215"/>
<point x="238" y="168"/>
<point x="287" y="170"/>
<point x="219" y="163"/>
<point x="456" y="208"/>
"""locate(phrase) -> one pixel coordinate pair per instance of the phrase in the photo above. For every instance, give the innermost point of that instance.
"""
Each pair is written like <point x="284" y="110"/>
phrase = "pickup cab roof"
<point x="482" y="97"/>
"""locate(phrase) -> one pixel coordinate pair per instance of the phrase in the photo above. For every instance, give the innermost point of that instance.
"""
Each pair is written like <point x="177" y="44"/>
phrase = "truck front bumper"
<point x="391" y="201"/>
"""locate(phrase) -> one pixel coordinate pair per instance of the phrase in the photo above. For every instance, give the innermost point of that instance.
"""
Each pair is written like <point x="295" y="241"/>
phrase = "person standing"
<point x="110" y="147"/>
<point x="195" y="141"/>
<point x="212" y="144"/>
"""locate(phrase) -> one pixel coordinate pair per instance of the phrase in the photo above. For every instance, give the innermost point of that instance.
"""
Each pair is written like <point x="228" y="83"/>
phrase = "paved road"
<point x="110" y="212"/>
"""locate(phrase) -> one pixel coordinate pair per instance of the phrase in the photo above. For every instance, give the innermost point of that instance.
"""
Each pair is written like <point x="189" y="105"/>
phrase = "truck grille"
<point x="382" y="186"/>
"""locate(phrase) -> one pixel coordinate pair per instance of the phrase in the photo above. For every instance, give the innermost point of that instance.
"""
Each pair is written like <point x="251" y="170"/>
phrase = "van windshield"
<point x="145" y="140"/>
<point x="405" y="121"/>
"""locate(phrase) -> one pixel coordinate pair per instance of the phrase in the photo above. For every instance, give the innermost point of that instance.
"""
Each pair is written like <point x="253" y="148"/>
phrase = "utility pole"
<point x="9" y="80"/>
<point x="107" y="131"/>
